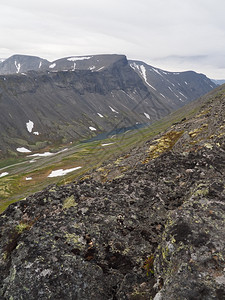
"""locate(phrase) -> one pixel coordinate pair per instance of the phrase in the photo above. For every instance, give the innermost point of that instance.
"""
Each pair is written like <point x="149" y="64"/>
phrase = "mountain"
<point x="90" y="62"/>
<point x="176" y="86"/>
<point x="76" y="98"/>
<point x="218" y="81"/>
<point x="21" y="64"/>
<point x="148" y="225"/>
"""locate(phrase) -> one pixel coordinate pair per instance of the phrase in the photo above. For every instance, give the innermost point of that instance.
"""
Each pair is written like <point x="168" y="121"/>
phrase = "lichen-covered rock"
<point x="190" y="259"/>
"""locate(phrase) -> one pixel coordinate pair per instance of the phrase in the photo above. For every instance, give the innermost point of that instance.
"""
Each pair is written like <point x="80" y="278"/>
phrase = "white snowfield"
<point x="41" y="154"/>
<point x="30" y="126"/>
<point x="52" y="66"/>
<point x="113" y="110"/>
<point x="101" y="116"/>
<point x="92" y="128"/>
<point x="103" y="145"/>
<point x="45" y="154"/>
<point x="23" y="150"/>
<point x="18" y="66"/>
<point x="74" y="58"/>
<point x="142" y="70"/>
<point x="147" y="116"/>
<point x="4" y="174"/>
<point x="100" y="69"/>
<point x="62" y="172"/>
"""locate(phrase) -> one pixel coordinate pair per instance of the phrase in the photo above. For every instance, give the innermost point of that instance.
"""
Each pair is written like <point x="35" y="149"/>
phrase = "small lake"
<point x="116" y="131"/>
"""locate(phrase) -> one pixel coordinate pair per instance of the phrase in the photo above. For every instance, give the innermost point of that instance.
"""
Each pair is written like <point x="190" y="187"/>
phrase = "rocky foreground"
<point x="147" y="226"/>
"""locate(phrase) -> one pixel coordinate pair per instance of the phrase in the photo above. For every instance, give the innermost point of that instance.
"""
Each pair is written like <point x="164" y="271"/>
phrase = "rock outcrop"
<point x="148" y="226"/>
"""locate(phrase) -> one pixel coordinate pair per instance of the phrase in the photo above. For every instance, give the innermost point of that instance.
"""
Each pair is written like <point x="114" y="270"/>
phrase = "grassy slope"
<point x="90" y="155"/>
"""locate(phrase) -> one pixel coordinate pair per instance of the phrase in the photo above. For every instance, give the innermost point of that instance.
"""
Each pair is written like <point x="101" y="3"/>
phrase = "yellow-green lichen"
<point x="21" y="227"/>
<point x="69" y="202"/>
<point x="74" y="239"/>
<point x="165" y="143"/>
<point x="197" y="131"/>
<point x="202" y="190"/>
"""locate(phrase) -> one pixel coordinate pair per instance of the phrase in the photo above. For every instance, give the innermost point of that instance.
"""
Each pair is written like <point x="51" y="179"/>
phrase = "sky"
<point x="174" y="35"/>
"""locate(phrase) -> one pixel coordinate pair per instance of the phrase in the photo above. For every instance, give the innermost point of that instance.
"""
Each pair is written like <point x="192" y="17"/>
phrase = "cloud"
<point x="150" y="30"/>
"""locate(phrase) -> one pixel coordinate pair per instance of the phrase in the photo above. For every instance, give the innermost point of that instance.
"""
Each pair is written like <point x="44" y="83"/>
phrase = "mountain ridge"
<point x="48" y="96"/>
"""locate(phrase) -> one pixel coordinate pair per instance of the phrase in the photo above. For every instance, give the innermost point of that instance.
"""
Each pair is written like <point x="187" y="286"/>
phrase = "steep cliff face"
<point x="66" y="106"/>
<point x="177" y="86"/>
<point x="78" y="97"/>
<point x="148" y="225"/>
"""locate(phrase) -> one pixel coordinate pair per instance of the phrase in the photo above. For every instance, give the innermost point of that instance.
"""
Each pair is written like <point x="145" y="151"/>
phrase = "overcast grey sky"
<point x="175" y="35"/>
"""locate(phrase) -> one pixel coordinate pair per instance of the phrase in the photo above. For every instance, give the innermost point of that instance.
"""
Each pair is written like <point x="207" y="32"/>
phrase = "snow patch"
<point x="100" y="68"/>
<point x="186" y="82"/>
<point x="134" y="65"/>
<point x="182" y="94"/>
<point x="91" y="68"/>
<point x="45" y="154"/>
<point x="4" y="174"/>
<point x="128" y="95"/>
<point x="62" y="172"/>
<point x="74" y="58"/>
<point x="147" y="116"/>
<point x="113" y="110"/>
<point x="74" y="67"/>
<point x="143" y="72"/>
<point x="28" y="178"/>
<point x="40" y="64"/>
<point x="52" y="66"/>
<point x="36" y="133"/>
<point x="30" y="126"/>
<point x="101" y="116"/>
<point x="18" y="66"/>
<point x="103" y="145"/>
<point x="162" y="95"/>
<point x="42" y="154"/>
<point x="157" y="71"/>
<point x="23" y="150"/>
<point x="92" y="128"/>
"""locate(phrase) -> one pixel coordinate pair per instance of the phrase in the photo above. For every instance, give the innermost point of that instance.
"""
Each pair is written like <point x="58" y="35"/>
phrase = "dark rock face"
<point x="100" y="237"/>
<point x="179" y="87"/>
<point x="68" y="106"/>
<point x="22" y="63"/>
<point x="78" y="97"/>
